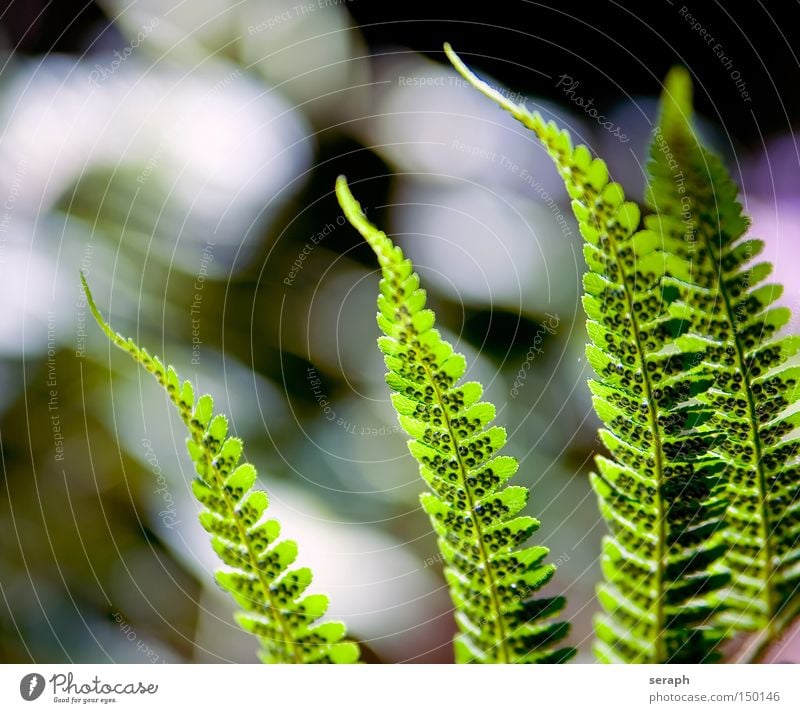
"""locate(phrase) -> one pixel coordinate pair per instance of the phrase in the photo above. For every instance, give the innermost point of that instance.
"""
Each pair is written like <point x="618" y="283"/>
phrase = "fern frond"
<point x="754" y="394"/>
<point x="256" y="572"/>
<point x="660" y="492"/>
<point x="491" y="574"/>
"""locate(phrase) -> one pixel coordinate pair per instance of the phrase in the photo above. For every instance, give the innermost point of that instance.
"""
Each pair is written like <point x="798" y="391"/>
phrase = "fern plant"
<point x="700" y="410"/>
<point x="256" y="572"/>
<point x="492" y="575"/>
<point x="694" y="204"/>
<point x="661" y="491"/>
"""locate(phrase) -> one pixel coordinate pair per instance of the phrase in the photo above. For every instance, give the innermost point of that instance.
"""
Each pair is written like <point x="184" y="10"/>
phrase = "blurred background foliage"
<point x="184" y="156"/>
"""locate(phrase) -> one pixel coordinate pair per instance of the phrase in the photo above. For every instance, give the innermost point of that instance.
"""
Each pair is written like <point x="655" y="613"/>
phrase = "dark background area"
<point x="618" y="48"/>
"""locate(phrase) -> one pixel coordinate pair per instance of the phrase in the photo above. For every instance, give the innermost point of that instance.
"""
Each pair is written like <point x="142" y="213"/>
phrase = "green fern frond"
<point x="256" y="572"/>
<point x="754" y="395"/>
<point x="660" y="492"/>
<point x="491" y="575"/>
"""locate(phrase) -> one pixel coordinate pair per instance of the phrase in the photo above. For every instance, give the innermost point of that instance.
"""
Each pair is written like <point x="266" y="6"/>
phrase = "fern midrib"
<point x="567" y="172"/>
<point x="501" y="631"/>
<point x="184" y="411"/>
<point x="231" y="505"/>
<point x="522" y="115"/>
<point x="661" y="549"/>
<point x="769" y="592"/>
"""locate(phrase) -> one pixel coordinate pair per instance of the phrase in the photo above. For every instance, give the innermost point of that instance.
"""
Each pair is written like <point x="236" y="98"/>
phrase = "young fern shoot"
<point x="491" y="574"/>
<point x="695" y="207"/>
<point x="256" y="572"/>
<point x="660" y="491"/>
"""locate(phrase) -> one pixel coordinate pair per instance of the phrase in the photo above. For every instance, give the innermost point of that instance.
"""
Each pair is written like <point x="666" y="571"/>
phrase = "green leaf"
<point x="659" y="493"/>
<point x="256" y="574"/>
<point x="492" y="577"/>
<point x="242" y="479"/>
<point x="694" y="204"/>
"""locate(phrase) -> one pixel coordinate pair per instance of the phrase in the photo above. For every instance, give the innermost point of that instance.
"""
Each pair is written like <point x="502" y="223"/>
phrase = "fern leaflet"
<point x="695" y="205"/>
<point x="256" y="572"/>
<point x="660" y="493"/>
<point x="491" y="575"/>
